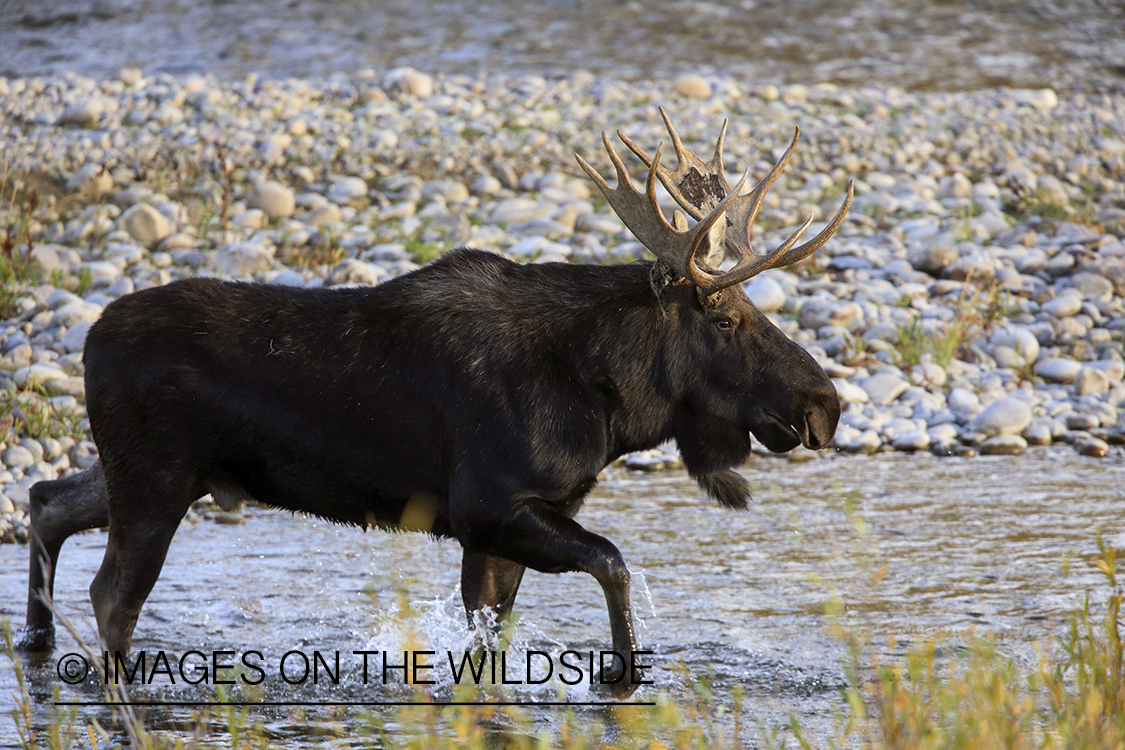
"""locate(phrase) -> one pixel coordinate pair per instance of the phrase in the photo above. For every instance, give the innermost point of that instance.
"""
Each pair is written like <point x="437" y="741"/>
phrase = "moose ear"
<point x="727" y="487"/>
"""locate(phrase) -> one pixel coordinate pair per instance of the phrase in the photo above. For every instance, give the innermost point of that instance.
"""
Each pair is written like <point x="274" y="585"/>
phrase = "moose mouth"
<point x="779" y="436"/>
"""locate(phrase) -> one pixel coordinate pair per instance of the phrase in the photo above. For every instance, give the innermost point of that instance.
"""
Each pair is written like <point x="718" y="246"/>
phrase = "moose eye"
<point x="724" y="324"/>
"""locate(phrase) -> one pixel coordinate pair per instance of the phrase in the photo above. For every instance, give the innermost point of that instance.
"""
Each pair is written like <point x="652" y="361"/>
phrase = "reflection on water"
<point x="910" y="43"/>
<point x="992" y="544"/>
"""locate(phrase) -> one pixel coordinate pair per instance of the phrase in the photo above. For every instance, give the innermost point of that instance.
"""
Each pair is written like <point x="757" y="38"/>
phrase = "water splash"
<point x="515" y="658"/>
<point x="640" y="586"/>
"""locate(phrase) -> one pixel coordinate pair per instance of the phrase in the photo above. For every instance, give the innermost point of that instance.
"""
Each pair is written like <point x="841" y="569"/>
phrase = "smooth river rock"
<point x="693" y="86"/>
<point x="884" y="387"/>
<point x="819" y="312"/>
<point x="145" y="224"/>
<point x="1064" y="306"/>
<point x="1004" y="445"/>
<point x="1057" y="369"/>
<point x="766" y="294"/>
<point x="273" y="198"/>
<point x="1007" y="416"/>
<point x="1091" y="380"/>
<point x="240" y="259"/>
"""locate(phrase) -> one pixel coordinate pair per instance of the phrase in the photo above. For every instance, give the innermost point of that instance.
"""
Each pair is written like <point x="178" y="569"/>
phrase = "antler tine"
<point x="676" y="246"/>
<point x="750" y="265"/>
<point x="622" y="173"/>
<point x="593" y="175"/>
<point x="784" y="255"/>
<point x="745" y="210"/>
<point x="717" y="159"/>
<point x="696" y="193"/>
<point x="682" y="154"/>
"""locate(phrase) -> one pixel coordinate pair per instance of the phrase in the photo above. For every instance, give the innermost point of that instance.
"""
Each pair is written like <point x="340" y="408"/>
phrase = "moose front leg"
<point x="533" y="534"/>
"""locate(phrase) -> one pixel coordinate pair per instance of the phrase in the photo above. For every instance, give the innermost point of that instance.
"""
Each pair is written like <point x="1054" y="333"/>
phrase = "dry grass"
<point x="17" y="267"/>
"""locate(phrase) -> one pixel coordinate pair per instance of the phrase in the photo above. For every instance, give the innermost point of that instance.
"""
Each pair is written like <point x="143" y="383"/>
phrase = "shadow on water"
<point x="973" y="545"/>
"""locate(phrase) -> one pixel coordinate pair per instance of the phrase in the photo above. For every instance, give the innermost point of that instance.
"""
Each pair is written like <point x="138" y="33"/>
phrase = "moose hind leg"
<point x="489" y="582"/>
<point x="59" y="508"/>
<point x="144" y="517"/>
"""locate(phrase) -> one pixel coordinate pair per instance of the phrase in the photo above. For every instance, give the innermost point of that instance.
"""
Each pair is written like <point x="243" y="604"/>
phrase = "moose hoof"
<point x="31" y="640"/>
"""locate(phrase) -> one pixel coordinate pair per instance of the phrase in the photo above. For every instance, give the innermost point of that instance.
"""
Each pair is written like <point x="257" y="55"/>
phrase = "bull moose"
<point x="473" y="398"/>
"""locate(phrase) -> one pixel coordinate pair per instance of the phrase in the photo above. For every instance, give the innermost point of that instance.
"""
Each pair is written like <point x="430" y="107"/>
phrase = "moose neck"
<point x="626" y="344"/>
<point x="643" y="357"/>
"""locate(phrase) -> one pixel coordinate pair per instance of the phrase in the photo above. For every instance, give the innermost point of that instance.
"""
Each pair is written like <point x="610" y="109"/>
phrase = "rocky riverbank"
<point x="971" y="303"/>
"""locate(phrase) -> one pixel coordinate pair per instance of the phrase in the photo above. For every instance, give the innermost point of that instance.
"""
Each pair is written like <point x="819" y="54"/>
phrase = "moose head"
<point x="753" y="379"/>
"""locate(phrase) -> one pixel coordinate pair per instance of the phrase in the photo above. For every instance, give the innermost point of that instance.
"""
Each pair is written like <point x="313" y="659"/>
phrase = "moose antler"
<point x="701" y="189"/>
<point x="676" y="246"/>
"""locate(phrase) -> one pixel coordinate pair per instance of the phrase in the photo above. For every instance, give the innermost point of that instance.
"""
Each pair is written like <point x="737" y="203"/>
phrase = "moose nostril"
<point x="812" y="439"/>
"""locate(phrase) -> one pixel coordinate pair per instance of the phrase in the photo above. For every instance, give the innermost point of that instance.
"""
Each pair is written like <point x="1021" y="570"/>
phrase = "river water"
<point x="917" y="44"/>
<point x="996" y="545"/>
